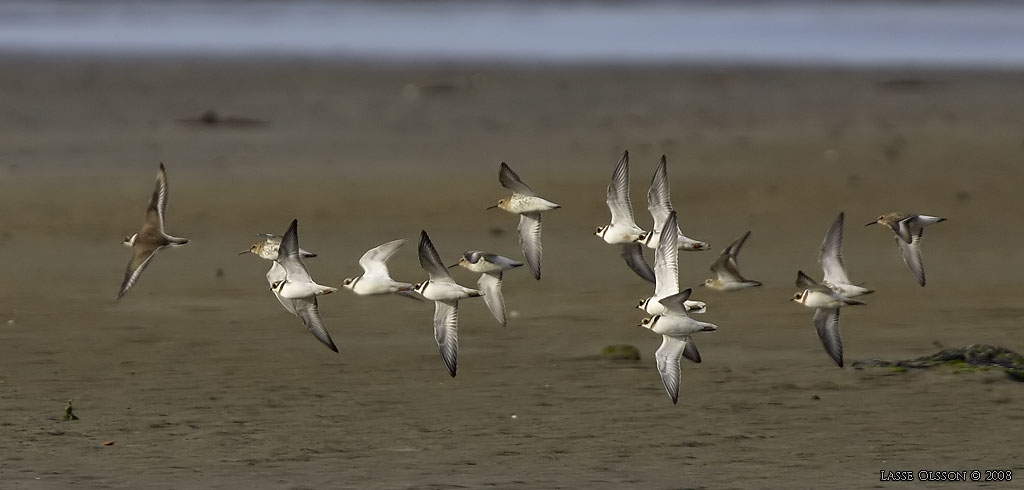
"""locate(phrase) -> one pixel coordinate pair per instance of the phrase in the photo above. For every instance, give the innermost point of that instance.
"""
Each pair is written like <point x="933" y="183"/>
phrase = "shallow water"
<point x="970" y="34"/>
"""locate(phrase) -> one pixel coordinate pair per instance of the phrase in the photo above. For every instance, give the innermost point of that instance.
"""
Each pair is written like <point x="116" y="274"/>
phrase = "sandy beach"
<point x="202" y="380"/>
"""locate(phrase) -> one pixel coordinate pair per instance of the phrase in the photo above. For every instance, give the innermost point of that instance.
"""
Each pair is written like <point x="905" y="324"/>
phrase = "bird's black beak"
<point x="453" y="265"/>
<point x="243" y="252"/>
<point x="492" y="207"/>
<point x="871" y="223"/>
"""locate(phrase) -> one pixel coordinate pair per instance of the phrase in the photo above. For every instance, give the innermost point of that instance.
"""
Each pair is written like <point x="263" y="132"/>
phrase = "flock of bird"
<point x="670" y="308"/>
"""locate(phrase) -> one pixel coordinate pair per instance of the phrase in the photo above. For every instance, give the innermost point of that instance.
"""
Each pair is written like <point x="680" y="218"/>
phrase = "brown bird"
<point x="151" y="237"/>
<point x="909" y="228"/>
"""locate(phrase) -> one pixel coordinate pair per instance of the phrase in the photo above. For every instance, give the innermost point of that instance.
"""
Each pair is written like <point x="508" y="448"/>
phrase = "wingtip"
<point x="801" y="276"/>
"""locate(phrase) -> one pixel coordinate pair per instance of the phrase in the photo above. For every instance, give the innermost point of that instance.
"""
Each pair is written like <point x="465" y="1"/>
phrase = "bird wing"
<point x="500" y="260"/>
<point x="446" y="332"/>
<point x="633" y="254"/>
<point x="677" y="302"/>
<point x="374" y="261"/>
<point x="659" y="200"/>
<point x="904" y="229"/>
<point x="690" y="351"/>
<point x="911" y="253"/>
<point x="668" y="364"/>
<point x="529" y="240"/>
<point x="510" y="180"/>
<point x="803" y="281"/>
<point x="826" y="321"/>
<point x="288" y="255"/>
<point x="831" y="256"/>
<point x="618" y="194"/>
<point x="727" y="266"/>
<point x="430" y="261"/>
<point x="140" y="259"/>
<point x="308" y="311"/>
<point x="158" y="202"/>
<point x="666" y="260"/>
<point x="490" y="284"/>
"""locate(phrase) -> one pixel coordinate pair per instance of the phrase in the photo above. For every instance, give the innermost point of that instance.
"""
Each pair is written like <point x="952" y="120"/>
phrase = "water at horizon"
<point x="818" y="33"/>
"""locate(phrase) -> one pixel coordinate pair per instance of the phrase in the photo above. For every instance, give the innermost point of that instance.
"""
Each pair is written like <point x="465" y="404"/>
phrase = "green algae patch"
<point x="973" y="358"/>
<point x="620" y="352"/>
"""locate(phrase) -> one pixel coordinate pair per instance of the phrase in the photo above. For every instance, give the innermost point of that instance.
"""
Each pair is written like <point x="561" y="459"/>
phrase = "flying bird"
<point x="490" y="266"/>
<point x="659" y="203"/>
<point x="831" y="259"/>
<point x="288" y="267"/>
<point x="676" y="329"/>
<point x="268" y="247"/>
<point x="524" y="202"/>
<point x="152" y="237"/>
<point x="826" y="304"/>
<point x="666" y="271"/>
<point x="445" y="293"/>
<point x="909" y="228"/>
<point x="622" y="230"/>
<point x="376" y="279"/>
<point x="727" y="269"/>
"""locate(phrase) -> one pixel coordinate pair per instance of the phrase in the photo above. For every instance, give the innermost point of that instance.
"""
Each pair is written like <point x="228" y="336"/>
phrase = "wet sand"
<point x="204" y="381"/>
